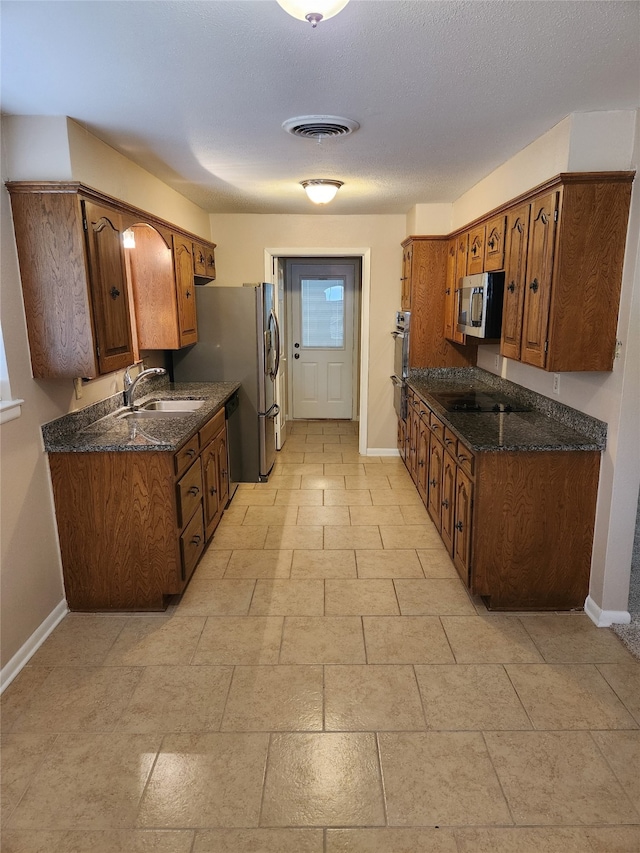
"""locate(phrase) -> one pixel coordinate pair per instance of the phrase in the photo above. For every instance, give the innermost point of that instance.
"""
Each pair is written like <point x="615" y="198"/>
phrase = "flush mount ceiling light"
<point x="313" y="10"/>
<point x="321" y="190"/>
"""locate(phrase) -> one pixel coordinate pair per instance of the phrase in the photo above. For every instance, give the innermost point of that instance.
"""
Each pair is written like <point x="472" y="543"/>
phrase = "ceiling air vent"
<point x="320" y="127"/>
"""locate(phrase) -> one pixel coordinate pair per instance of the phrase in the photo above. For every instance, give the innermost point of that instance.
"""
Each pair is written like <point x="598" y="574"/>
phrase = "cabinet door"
<point x="434" y="493"/>
<point x="414" y="434"/>
<point x="448" y="498"/>
<point x="401" y="438"/>
<point x="153" y="285"/>
<point x="199" y="260"/>
<point x="537" y="296"/>
<point x="183" y="265"/>
<point x="494" y="248"/>
<point x="108" y="285"/>
<point x="423" y="456"/>
<point x="222" y="468"/>
<point x="450" y="295"/>
<point x="405" y="300"/>
<point x="210" y="262"/>
<point x="462" y="251"/>
<point x="211" y="487"/>
<point x="476" y="250"/>
<point x="462" y="525"/>
<point x="515" y="279"/>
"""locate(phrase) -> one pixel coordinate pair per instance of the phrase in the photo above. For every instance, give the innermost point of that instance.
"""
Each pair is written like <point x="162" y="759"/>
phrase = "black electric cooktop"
<point x="477" y="401"/>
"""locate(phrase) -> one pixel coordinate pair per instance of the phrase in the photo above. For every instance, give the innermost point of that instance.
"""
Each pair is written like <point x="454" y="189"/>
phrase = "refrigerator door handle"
<point x="273" y="321"/>
<point x="272" y="412"/>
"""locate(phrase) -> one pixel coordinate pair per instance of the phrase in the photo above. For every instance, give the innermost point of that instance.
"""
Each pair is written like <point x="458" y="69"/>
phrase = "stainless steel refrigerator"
<point x="239" y="340"/>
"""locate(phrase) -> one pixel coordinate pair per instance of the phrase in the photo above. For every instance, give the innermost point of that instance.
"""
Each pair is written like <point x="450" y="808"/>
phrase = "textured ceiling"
<point x="196" y="92"/>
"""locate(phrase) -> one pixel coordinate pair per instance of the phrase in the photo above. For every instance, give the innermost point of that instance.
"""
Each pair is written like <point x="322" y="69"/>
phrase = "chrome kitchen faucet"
<point x="130" y="384"/>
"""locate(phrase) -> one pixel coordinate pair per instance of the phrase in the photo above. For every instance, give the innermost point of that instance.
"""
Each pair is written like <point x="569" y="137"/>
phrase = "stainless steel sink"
<point x="177" y="406"/>
<point x="148" y="414"/>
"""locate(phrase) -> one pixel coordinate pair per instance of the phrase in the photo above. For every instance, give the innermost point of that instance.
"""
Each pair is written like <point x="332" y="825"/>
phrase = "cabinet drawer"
<point x="450" y="442"/>
<point x="212" y="428"/>
<point x="185" y="456"/>
<point x="466" y="459"/>
<point x="189" y="491"/>
<point x="436" y="426"/>
<point x="192" y="544"/>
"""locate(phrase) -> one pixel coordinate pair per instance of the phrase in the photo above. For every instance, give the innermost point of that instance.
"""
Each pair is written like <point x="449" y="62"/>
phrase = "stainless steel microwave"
<point x="480" y="304"/>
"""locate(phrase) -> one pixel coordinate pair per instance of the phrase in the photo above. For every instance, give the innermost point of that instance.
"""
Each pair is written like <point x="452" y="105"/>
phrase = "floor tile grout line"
<point x="612" y="769"/>
<point x="264" y="779"/>
<point x="382" y="784"/>
<point x="499" y="780"/>
<point x="520" y="700"/>
<point x="226" y="699"/>
<point x="422" y="702"/>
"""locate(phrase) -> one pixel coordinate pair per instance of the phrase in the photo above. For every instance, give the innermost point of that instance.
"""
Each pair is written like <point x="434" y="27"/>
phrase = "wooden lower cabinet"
<point x="133" y="525"/>
<point x="517" y="525"/>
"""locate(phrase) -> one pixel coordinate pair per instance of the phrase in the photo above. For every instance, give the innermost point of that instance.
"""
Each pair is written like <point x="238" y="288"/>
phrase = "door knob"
<point x="297" y="346"/>
<point x="297" y="355"/>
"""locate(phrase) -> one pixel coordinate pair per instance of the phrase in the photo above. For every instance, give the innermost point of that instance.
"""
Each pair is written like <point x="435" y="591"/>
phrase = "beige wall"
<point x="243" y="238"/>
<point x="37" y="148"/>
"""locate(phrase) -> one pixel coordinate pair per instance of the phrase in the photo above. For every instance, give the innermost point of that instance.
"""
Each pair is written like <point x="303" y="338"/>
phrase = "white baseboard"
<point x="605" y="618"/>
<point x="26" y="652"/>
<point x="383" y="451"/>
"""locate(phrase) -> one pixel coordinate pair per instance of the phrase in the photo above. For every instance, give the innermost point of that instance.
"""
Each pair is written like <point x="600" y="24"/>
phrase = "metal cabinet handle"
<point x="534" y="285"/>
<point x="194" y="490"/>
<point x="433" y="483"/>
<point x="459" y="526"/>
<point x="212" y="490"/>
<point x="114" y="293"/>
<point x="445" y="503"/>
<point x="196" y="539"/>
<point x="191" y="453"/>
<point x="512" y="286"/>
<point x="188" y="294"/>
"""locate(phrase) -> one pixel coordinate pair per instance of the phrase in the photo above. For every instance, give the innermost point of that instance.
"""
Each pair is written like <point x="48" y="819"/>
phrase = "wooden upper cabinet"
<point x="494" y="246"/>
<point x="517" y="237"/>
<point x="74" y="283"/>
<point x="405" y="297"/>
<point x="185" y="289"/>
<point x="431" y="263"/>
<point x="163" y="289"/>
<point x="477" y="239"/>
<point x="204" y="262"/>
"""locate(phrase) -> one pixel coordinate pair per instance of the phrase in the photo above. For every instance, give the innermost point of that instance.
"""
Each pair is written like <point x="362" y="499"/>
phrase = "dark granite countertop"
<point x="98" y="428"/>
<point x="548" y="426"/>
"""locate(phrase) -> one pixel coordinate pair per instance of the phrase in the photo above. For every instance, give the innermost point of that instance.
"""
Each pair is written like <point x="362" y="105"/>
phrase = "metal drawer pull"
<point x="194" y="490"/>
<point x="212" y="490"/>
<point x="191" y="453"/>
<point x="433" y="483"/>
<point x="445" y="503"/>
<point x="196" y="539"/>
<point x="534" y="285"/>
<point x="459" y="526"/>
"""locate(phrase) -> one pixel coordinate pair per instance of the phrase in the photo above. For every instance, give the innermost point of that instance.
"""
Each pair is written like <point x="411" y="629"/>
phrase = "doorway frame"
<point x="271" y="257"/>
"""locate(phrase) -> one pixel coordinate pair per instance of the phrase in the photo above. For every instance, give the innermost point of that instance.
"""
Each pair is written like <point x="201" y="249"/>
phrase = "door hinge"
<point x="555" y="215"/>
<point x="98" y="351"/>
<point x="84" y="224"/>
<point x="546" y="346"/>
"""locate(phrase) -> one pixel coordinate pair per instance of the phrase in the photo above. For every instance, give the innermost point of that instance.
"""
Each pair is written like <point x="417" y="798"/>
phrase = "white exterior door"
<point x="322" y="338"/>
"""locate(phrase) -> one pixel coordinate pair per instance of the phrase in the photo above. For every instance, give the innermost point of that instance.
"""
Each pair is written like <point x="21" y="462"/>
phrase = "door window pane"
<point x="322" y="307"/>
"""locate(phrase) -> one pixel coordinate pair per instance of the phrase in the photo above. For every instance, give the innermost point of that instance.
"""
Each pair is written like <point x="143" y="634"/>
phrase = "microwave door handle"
<point x="477" y="299"/>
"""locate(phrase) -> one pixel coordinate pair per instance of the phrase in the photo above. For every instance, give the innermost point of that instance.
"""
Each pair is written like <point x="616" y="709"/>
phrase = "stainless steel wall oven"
<point x="401" y="362"/>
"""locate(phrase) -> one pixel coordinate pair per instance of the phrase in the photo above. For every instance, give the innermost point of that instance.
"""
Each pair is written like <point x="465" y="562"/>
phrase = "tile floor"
<point x="325" y="685"/>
